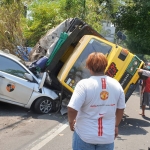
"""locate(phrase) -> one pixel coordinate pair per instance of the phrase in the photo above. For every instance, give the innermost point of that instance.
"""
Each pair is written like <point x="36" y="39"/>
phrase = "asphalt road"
<point x="21" y="129"/>
<point x="134" y="130"/>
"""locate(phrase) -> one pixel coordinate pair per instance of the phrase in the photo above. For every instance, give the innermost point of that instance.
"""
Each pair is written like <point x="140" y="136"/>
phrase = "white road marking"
<point x="42" y="141"/>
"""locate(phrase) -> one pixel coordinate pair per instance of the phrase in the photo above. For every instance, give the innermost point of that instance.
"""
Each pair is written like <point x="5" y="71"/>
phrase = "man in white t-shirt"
<point x="96" y="108"/>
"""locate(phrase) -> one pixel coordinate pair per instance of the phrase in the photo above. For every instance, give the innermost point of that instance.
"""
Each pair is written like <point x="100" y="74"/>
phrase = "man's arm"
<point x="119" y="115"/>
<point x="72" y="113"/>
<point x="144" y="72"/>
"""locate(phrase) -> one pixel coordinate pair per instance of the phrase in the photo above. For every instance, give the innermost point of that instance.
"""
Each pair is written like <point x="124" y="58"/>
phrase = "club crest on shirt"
<point x="104" y="95"/>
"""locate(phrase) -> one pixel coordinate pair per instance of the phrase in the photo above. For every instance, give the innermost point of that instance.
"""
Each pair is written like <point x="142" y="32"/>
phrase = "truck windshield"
<point x="93" y="46"/>
<point x="78" y="70"/>
<point x="97" y="46"/>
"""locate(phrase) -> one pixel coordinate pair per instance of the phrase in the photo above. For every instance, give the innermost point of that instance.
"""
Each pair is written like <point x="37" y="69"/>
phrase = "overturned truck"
<point x="63" y="51"/>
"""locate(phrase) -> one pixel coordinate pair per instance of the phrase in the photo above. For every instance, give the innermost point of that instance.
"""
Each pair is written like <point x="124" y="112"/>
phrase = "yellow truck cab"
<point x="122" y="65"/>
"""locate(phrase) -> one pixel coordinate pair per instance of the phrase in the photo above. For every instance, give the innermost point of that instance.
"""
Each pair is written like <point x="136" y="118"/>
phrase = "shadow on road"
<point x="21" y="114"/>
<point x="129" y="126"/>
<point x="14" y="110"/>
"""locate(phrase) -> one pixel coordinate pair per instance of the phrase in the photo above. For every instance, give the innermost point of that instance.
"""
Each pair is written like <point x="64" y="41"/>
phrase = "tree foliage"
<point x="134" y="18"/>
<point x="46" y="14"/>
<point x="11" y="35"/>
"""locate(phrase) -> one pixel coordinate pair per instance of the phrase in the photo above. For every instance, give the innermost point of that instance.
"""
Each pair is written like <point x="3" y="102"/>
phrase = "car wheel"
<point x="43" y="105"/>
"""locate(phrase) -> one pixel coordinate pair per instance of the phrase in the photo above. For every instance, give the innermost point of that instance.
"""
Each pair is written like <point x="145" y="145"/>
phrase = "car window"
<point x="9" y="66"/>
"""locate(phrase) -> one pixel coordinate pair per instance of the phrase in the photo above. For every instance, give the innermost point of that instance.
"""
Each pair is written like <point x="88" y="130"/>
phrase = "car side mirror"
<point x="28" y="77"/>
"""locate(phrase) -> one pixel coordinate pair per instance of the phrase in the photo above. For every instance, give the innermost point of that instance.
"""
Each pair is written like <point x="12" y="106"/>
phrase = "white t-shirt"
<point x="145" y="72"/>
<point x="96" y="100"/>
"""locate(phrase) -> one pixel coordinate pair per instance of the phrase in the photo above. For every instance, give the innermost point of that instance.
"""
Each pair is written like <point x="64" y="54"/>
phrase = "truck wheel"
<point x="43" y="105"/>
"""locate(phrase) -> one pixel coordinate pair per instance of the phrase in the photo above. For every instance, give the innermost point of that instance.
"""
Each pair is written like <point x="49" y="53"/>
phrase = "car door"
<point x="14" y="88"/>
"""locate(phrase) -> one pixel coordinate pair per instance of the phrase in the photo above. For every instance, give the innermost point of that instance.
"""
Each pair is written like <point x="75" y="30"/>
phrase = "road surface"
<point x="21" y="129"/>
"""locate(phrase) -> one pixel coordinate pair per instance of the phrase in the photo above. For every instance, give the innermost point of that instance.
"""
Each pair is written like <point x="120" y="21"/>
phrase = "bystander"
<point x="145" y="75"/>
<point x="96" y="108"/>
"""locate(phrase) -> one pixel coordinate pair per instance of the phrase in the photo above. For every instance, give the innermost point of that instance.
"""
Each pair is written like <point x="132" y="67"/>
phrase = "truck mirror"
<point x="121" y="36"/>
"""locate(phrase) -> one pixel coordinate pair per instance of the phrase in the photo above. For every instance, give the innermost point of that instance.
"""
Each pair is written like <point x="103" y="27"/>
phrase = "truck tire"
<point x="43" y="105"/>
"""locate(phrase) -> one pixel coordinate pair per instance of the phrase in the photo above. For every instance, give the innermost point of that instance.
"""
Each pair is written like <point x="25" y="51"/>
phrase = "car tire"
<point x="44" y="105"/>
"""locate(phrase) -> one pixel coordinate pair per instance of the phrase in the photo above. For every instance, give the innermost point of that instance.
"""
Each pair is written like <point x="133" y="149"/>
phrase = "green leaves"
<point x="134" y="18"/>
<point x="10" y="25"/>
<point x="43" y="15"/>
<point x="46" y="14"/>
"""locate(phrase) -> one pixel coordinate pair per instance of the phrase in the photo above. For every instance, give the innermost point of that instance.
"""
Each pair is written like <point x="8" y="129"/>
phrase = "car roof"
<point x="7" y="54"/>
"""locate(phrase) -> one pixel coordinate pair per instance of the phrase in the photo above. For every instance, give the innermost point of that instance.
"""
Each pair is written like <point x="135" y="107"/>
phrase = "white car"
<point x="21" y="87"/>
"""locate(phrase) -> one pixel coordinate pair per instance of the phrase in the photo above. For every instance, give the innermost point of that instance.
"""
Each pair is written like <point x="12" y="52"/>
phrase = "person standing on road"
<point x="96" y="108"/>
<point x="145" y="90"/>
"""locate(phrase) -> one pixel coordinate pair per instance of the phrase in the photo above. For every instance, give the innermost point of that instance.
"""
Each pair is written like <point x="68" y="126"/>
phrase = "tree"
<point x="134" y="18"/>
<point x="46" y="14"/>
<point x="11" y="35"/>
<point x="24" y="26"/>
